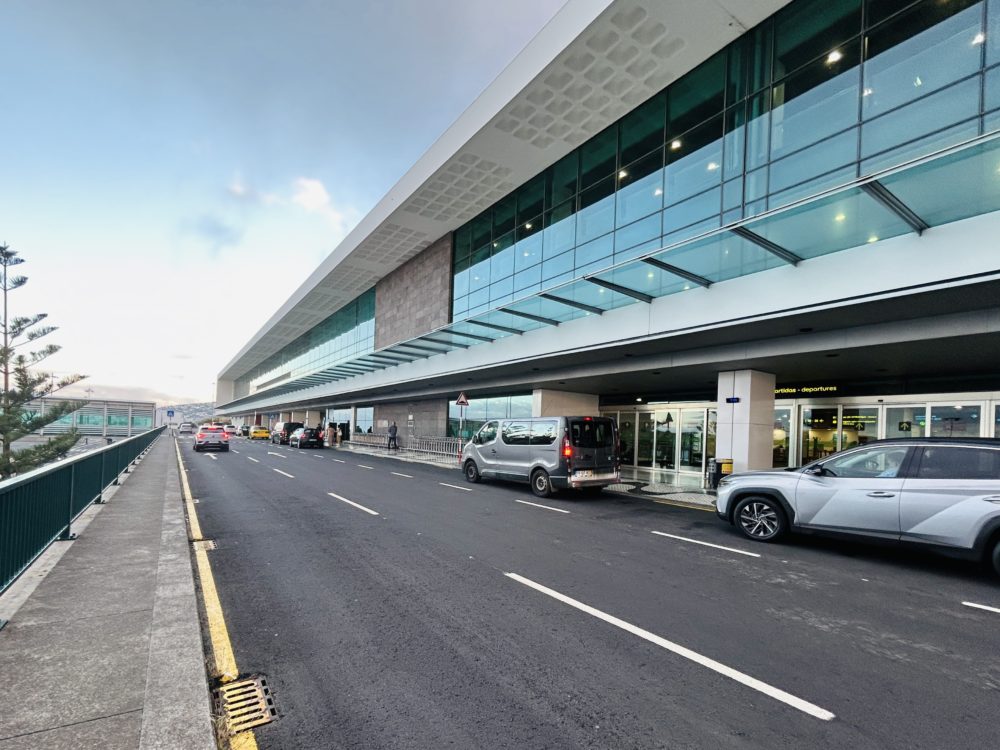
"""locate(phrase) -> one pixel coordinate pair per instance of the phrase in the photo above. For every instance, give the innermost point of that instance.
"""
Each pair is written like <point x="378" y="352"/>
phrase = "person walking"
<point x="392" y="437"/>
<point x="330" y="434"/>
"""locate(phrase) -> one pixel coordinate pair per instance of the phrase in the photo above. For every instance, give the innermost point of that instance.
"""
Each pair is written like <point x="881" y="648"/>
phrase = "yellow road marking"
<point x="223" y="659"/>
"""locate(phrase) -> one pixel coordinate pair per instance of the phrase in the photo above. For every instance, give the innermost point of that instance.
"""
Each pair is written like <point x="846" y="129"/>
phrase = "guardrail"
<point x="426" y="444"/>
<point x="39" y="507"/>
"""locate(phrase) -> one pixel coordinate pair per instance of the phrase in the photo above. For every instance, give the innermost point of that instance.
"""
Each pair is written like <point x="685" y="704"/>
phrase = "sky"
<point x="172" y="170"/>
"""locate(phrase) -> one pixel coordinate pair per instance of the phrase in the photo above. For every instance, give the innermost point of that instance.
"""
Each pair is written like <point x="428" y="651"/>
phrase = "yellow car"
<point x="259" y="433"/>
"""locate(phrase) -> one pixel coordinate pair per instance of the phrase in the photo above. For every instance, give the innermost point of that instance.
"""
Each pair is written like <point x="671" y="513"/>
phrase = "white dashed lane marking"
<point x="397" y="474"/>
<point x="455" y="487"/>
<point x="253" y="459"/>
<point x="340" y="461"/>
<point x="546" y="507"/>
<point x="283" y="473"/>
<point x="982" y="606"/>
<point x="365" y="467"/>
<point x="351" y="502"/>
<point x="272" y="453"/>
<point x="706" y="544"/>
<point x="718" y="667"/>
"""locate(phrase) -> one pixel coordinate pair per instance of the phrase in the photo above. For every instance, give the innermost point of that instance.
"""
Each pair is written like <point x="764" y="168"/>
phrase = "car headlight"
<point x="724" y="481"/>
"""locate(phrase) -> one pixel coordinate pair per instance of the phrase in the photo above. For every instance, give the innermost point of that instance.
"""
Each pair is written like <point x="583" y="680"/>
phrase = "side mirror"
<point x="476" y="439"/>
<point x="816" y="471"/>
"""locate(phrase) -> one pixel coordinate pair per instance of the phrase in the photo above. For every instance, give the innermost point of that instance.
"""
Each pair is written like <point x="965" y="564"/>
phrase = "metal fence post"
<point x="67" y="534"/>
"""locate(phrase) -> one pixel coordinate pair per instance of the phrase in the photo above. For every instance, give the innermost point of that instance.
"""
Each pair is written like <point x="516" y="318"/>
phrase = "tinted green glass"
<point x="463" y="241"/>
<point x="640" y="188"/>
<point x="598" y="157"/>
<point x="597" y="211"/>
<point x="482" y="229"/>
<point x="807" y="29"/>
<point x="737" y="71"/>
<point x="560" y="230"/>
<point x="694" y="161"/>
<point x="696" y="96"/>
<point x="502" y="243"/>
<point x="562" y="179"/>
<point x="879" y="10"/>
<point x="761" y="42"/>
<point x="530" y="199"/>
<point x="641" y="131"/>
<point x="503" y="215"/>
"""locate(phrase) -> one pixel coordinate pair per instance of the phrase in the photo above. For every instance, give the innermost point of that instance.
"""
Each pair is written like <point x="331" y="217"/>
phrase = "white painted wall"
<point x="744" y="429"/>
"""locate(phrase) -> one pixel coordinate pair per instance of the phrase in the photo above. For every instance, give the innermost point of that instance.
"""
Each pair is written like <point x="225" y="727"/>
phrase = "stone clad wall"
<point x="429" y="417"/>
<point x="416" y="297"/>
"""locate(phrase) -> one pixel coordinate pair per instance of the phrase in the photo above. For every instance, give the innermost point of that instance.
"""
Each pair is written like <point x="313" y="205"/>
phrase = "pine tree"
<point x="22" y="385"/>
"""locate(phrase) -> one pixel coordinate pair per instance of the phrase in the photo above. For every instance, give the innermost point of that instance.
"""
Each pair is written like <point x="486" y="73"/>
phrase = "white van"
<point x="550" y="453"/>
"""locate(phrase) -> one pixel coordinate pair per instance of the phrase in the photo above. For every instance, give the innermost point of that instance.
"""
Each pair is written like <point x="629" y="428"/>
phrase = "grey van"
<point x="550" y="453"/>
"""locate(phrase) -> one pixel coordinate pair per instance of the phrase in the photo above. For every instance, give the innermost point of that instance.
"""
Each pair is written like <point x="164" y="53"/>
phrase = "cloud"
<point x="311" y="196"/>
<point x="244" y="193"/>
<point x="218" y="233"/>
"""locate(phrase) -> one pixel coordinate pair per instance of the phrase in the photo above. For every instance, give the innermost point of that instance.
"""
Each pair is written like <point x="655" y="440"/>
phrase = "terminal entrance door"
<point x="667" y="438"/>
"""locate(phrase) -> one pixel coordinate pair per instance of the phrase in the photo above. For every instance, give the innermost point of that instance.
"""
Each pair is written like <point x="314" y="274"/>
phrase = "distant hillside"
<point x="199" y="412"/>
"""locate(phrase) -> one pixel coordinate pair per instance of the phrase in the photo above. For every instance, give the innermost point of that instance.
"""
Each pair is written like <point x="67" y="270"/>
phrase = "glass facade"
<point x="347" y="333"/>
<point x="822" y="93"/>
<point x="481" y="410"/>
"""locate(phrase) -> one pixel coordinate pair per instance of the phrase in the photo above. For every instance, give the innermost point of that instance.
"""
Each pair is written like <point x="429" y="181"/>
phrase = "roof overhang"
<point x="593" y="62"/>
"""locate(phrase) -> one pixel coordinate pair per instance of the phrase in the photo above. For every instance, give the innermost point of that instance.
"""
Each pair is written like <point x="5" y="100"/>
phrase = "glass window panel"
<point x="595" y="255"/>
<point x="756" y="185"/>
<point x="562" y="179"/>
<point x="721" y="257"/>
<point x="530" y="199"/>
<point x="693" y="230"/>
<point x="952" y="187"/>
<point x="879" y="10"/>
<point x="641" y="131"/>
<point x="529" y="280"/>
<point x="551" y="268"/>
<point x="461" y="283"/>
<point x="905" y="421"/>
<point x="502" y="264"/>
<point x="500" y="318"/>
<point x="955" y="421"/>
<point x="922" y="146"/>
<point x="991" y="122"/>
<point x="482" y="229"/>
<point x="528" y="252"/>
<point x="503" y="215"/>
<point x="992" y="88"/>
<point x="732" y="216"/>
<point x="598" y="156"/>
<point x="547" y="308"/>
<point x="696" y="96"/>
<point x="824" y="156"/>
<point x="638" y="232"/>
<point x="758" y="129"/>
<point x="920" y="50"/>
<point x="463" y="241"/>
<point x="736" y="73"/>
<point x="818" y="434"/>
<point x="641" y="249"/>
<point x="808" y="28"/>
<point x="818" y="100"/>
<point x="591" y="294"/>
<point x="944" y="108"/>
<point x="837" y="222"/>
<point x="733" y="142"/>
<point x="691" y="211"/>
<point x="520" y="406"/>
<point x="858" y="426"/>
<point x="761" y="46"/>
<point x="954" y="462"/>
<point x="993" y="32"/>
<point x="479" y="298"/>
<point x="597" y="211"/>
<point x="479" y="272"/>
<point x="830" y="180"/>
<point x="640" y="189"/>
<point x="528" y="228"/>
<point x="781" y="441"/>
<point x="996" y="421"/>
<point x="560" y="230"/>
<point x="643" y="277"/>
<point x="732" y="194"/>
<point x="694" y="161"/>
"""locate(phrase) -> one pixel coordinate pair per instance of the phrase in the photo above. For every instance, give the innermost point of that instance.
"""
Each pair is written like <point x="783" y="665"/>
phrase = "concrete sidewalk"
<point x="104" y="647"/>
<point x="634" y="487"/>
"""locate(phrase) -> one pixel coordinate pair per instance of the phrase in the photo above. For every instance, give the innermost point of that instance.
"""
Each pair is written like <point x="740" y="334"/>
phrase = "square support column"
<point x="745" y="425"/>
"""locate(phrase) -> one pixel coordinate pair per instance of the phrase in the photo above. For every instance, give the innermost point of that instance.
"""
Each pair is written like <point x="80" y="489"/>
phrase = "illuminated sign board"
<point x="805" y="390"/>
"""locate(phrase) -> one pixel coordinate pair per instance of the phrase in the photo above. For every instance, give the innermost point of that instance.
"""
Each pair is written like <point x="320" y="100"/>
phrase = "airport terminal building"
<point x="753" y="229"/>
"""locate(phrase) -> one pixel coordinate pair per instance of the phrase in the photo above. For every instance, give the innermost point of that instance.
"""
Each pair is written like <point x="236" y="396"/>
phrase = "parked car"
<point x="245" y="430"/>
<point x="186" y="428"/>
<point x="210" y="437"/>
<point x="306" y="437"/>
<point x="230" y="430"/>
<point x="259" y="433"/>
<point x="942" y="494"/>
<point x="282" y="431"/>
<point x="550" y="453"/>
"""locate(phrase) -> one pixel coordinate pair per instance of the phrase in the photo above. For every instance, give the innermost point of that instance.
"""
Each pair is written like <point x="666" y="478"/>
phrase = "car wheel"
<point x="541" y="485"/>
<point x="760" y="518"/>
<point x="195" y="448"/>
<point x="994" y="556"/>
<point x="471" y="472"/>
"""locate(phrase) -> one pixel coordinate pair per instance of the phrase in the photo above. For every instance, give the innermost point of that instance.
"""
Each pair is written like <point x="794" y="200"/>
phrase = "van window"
<point x="516" y="433"/>
<point x="591" y="433"/>
<point x="953" y="462"/>
<point x="488" y="432"/>
<point x="544" y="433"/>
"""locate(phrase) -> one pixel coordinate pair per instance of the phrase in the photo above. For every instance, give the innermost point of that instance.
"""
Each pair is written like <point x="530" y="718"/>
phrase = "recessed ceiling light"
<point x="839" y="217"/>
<point x="659" y="191"/>
<point x="835" y="56"/>
<point x="873" y="238"/>
<point x="528" y="225"/>
<point x="622" y="175"/>
<point x="978" y="39"/>
<point x="638" y="399"/>
<point x="712" y="166"/>
<point x="674" y="145"/>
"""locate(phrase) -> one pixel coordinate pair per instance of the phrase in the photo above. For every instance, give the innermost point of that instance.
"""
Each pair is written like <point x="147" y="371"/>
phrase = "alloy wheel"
<point x="759" y="520"/>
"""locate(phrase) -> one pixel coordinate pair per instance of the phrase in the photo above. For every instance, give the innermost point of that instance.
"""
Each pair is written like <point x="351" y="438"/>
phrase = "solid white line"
<point x="743" y="679"/>
<point x="340" y="461"/>
<point x="455" y="487"/>
<point x="982" y="606"/>
<point x="253" y="459"/>
<point x="396" y="473"/>
<point x="557" y="510"/>
<point x="284" y="473"/>
<point x="272" y="453"/>
<point x="235" y="451"/>
<point x="351" y="502"/>
<point x="707" y="544"/>
<point x="366" y="467"/>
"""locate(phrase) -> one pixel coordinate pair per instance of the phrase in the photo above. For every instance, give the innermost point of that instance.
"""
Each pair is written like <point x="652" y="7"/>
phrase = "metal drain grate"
<point x="204" y="544"/>
<point x="245" y="704"/>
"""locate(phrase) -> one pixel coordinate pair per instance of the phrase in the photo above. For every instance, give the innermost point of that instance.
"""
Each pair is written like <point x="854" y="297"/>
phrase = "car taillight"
<point x="200" y="436"/>
<point x="567" y="449"/>
<point x="225" y="436"/>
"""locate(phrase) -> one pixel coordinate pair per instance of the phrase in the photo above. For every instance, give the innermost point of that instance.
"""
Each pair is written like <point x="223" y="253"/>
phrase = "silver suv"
<point x="943" y="494"/>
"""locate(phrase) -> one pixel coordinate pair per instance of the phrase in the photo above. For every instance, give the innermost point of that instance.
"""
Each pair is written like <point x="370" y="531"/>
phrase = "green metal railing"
<point x="39" y="507"/>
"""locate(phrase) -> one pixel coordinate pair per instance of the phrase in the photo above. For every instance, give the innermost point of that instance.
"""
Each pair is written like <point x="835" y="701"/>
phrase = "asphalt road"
<point x="403" y="612"/>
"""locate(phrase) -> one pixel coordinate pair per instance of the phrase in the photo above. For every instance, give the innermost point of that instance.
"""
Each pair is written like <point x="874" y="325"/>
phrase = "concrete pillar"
<point x="746" y="419"/>
<point x="548" y="403"/>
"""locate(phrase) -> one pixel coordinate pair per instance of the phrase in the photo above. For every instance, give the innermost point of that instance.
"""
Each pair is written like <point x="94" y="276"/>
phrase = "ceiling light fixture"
<point x="659" y="191"/>
<point x="873" y="238"/>
<point x="674" y="145"/>
<point x="622" y="175"/>
<point x="712" y="166"/>
<point x="839" y="217"/>
<point x="835" y="56"/>
<point x="978" y="39"/>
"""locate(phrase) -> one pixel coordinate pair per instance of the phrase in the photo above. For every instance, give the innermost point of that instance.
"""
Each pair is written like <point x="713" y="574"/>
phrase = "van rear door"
<point x="595" y="446"/>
